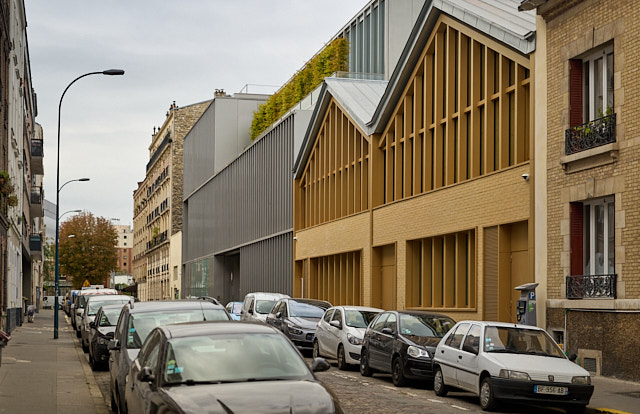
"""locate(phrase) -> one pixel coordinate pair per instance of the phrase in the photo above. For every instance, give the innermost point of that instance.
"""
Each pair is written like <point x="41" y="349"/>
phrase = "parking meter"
<point x="526" y="306"/>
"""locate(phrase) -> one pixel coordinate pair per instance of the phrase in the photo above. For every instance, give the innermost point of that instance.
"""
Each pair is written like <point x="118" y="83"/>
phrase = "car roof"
<point x="270" y="295"/>
<point x="502" y="324"/>
<point x="315" y="302"/>
<point x="159" y="305"/>
<point x="420" y="313"/>
<point x="104" y="298"/>
<point x="182" y="330"/>
<point x="116" y="306"/>
<point x="357" y="308"/>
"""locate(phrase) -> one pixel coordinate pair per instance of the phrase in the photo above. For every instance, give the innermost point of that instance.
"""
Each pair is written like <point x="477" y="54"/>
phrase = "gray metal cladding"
<point x="267" y="266"/>
<point x="249" y="200"/>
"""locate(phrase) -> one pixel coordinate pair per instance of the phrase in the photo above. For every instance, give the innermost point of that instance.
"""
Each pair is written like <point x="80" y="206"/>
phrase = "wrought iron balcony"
<point x="591" y="286"/>
<point x="592" y="134"/>
<point x="37" y="153"/>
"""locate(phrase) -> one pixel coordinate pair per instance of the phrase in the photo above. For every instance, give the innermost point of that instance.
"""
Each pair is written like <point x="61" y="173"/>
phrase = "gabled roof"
<point x="358" y="97"/>
<point x="370" y="103"/>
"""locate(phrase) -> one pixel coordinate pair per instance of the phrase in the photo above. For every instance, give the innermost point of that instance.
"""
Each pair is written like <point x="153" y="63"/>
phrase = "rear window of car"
<point x="141" y="324"/>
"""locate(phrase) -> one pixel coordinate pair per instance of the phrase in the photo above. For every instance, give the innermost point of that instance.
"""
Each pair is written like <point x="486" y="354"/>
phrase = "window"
<point x="591" y="86"/>
<point x="472" y="341"/>
<point x="379" y="322"/>
<point x="455" y="339"/>
<point x="337" y="316"/>
<point x="593" y="237"/>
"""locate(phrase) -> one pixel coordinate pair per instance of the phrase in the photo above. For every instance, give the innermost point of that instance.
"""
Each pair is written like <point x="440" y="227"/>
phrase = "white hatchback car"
<point x="340" y="331"/>
<point x="508" y="362"/>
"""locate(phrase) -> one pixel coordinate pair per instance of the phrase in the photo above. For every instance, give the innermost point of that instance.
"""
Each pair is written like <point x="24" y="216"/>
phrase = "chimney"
<point x="219" y="92"/>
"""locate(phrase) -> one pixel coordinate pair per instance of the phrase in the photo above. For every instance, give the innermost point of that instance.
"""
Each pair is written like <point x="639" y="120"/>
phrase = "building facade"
<point x="421" y="199"/>
<point x="160" y="197"/>
<point x="22" y="169"/>
<point x="591" y="185"/>
<point x="125" y="248"/>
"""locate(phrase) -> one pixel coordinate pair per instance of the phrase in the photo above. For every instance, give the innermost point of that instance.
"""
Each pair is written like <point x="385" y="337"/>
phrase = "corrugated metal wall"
<point x="247" y="208"/>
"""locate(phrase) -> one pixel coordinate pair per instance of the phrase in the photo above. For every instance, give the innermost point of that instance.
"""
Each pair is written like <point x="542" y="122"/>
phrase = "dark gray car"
<point x="136" y="321"/>
<point x="102" y="329"/>
<point x="298" y="319"/>
<point x="257" y="370"/>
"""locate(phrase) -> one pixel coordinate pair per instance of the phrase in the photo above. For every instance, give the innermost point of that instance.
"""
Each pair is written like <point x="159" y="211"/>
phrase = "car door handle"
<point x="459" y="356"/>
<point x="442" y="351"/>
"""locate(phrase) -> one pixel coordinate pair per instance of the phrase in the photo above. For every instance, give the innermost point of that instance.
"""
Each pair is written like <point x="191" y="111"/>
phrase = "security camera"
<point x="525" y="176"/>
<point x="295" y="238"/>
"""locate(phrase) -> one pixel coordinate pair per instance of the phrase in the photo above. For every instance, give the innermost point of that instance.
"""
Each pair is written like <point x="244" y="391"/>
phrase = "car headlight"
<point x="585" y="380"/>
<point x="354" y="340"/>
<point x="416" y="352"/>
<point x="296" y="330"/>
<point x="514" y="375"/>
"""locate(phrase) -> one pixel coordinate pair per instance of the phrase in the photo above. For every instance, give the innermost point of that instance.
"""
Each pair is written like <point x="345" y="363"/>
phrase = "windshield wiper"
<point x="266" y="379"/>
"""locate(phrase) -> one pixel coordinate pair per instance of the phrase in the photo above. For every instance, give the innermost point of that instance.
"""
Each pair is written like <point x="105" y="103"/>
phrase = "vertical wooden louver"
<point x="575" y="92"/>
<point x="577" y="249"/>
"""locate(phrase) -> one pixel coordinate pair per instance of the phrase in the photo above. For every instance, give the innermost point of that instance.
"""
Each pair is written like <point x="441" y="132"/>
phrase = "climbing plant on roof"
<point x="333" y="58"/>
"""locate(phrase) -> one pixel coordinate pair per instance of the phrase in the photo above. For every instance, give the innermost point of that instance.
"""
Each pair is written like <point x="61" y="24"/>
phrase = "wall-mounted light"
<point x="525" y="176"/>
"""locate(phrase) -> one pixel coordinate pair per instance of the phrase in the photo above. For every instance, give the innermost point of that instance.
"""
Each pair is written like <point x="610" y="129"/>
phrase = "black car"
<point x="298" y="319"/>
<point x="403" y="343"/>
<point x="225" y="367"/>
<point x="102" y="328"/>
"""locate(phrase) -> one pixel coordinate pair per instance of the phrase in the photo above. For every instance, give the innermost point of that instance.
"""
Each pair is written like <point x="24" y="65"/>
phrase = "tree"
<point x="87" y="249"/>
<point x="48" y="265"/>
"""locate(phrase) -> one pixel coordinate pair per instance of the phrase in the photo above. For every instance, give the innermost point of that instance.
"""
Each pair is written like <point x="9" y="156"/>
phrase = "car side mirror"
<point x="279" y="315"/>
<point x="92" y="324"/>
<point x="336" y="324"/>
<point x="250" y="311"/>
<point x="573" y="357"/>
<point x="470" y="348"/>
<point x="320" y="365"/>
<point x="145" y="375"/>
<point x="114" y="345"/>
<point x="387" y="331"/>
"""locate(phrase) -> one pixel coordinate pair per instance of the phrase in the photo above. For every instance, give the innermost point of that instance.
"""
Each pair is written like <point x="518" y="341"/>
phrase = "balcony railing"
<point x="591" y="286"/>
<point x="36" y="147"/>
<point x="592" y="134"/>
<point x="36" y="195"/>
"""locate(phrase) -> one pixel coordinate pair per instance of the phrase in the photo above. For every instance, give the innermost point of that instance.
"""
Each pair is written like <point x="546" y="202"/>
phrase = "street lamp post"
<point x="110" y="72"/>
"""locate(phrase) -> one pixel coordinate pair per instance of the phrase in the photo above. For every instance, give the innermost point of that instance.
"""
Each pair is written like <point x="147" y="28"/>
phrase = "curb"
<point x="94" y="389"/>
<point x="610" y="411"/>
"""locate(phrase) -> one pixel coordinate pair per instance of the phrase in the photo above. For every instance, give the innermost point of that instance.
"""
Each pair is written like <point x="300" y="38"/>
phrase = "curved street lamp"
<point x="70" y="211"/>
<point x="109" y="72"/>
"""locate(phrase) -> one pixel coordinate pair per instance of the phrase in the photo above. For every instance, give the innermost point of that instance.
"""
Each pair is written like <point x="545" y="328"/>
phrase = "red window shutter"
<point x="577" y="249"/>
<point x="575" y="92"/>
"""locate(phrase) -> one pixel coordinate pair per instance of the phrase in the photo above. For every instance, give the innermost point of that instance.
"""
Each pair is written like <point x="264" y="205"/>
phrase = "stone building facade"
<point x="158" y="205"/>
<point x="587" y="122"/>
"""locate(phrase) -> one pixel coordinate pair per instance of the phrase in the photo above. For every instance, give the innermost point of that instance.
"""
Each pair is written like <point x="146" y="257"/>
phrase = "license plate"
<point x="547" y="389"/>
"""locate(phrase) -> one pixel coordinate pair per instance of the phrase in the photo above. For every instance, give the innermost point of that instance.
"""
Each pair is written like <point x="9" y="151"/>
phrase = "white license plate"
<point x="547" y="389"/>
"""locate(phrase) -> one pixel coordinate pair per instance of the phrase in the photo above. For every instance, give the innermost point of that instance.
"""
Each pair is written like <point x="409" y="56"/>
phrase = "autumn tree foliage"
<point x="90" y="253"/>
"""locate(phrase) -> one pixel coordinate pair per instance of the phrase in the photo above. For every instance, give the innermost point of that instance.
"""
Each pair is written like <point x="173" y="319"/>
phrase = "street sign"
<point x="86" y="283"/>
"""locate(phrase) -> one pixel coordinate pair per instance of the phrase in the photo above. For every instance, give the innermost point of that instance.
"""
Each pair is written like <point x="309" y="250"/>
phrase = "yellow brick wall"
<point x="569" y="34"/>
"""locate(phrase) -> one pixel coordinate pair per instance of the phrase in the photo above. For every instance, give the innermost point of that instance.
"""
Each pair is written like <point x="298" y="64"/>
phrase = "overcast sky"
<point x="171" y="51"/>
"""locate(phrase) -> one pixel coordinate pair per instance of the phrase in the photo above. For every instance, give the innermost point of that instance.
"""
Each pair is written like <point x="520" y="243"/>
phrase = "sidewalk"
<point x="40" y="374"/>
<point x="615" y="396"/>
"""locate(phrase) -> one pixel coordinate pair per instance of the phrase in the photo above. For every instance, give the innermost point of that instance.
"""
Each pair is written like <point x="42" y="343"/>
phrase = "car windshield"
<point x="358" y="318"/>
<point x="236" y="307"/>
<point x="515" y="340"/>
<point x="95" y="305"/>
<point x="109" y="316"/>
<point x="264" y="306"/>
<point x="304" y="310"/>
<point x="236" y="358"/>
<point x="141" y="324"/>
<point x="425" y="325"/>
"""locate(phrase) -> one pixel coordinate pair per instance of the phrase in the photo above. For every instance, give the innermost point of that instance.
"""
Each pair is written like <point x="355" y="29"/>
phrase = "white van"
<point x="257" y="305"/>
<point x="78" y="305"/>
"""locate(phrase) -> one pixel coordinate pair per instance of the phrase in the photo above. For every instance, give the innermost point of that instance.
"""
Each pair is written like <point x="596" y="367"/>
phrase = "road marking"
<point x="435" y="401"/>
<point x="411" y="394"/>
<point x="460" y="408"/>
<point x="389" y="388"/>
<point x="611" y="411"/>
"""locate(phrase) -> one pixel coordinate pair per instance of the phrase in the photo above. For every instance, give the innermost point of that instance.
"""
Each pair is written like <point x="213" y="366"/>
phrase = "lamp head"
<point x="112" y="72"/>
<point x="84" y="179"/>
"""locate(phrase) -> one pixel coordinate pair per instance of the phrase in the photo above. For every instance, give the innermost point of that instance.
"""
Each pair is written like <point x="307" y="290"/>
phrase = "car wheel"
<point x="397" y="373"/>
<point x="316" y="349"/>
<point x="84" y="347"/>
<point x="122" y="407"/>
<point x="92" y="363"/>
<point x="487" y="402"/>
<point x="439" y="386"/>
<point x="78" y="334"/>
<point x="365" y="369"/>
<point x="342" y="359"/>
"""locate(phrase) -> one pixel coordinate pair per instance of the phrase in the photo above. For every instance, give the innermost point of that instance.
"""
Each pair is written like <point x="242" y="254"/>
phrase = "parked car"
<point x="134" y="324"/>
<point x="225" y="367"/>
<point x="68" y="300"/>
<point x="298" y="319"/>
<point x="403" y="343"/>
<point x="77" y="308"/>
<point x="234" y="309"/>
<point x="92" y="304"/>
<point x="257" y="305"/>
<point x="507" y="362"/>
<point x="340" y="332"/>
<point x="101" y="332"/>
